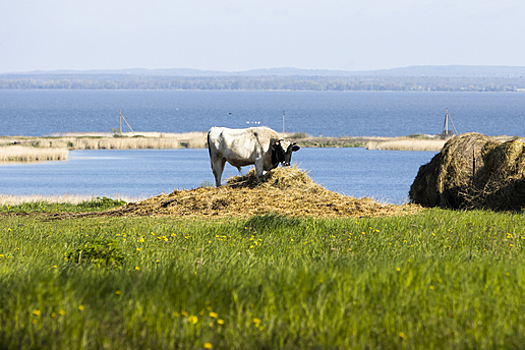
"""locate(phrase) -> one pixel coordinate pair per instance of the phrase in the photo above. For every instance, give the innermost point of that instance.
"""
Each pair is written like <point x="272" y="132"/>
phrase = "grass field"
<point x="434" y="280"/>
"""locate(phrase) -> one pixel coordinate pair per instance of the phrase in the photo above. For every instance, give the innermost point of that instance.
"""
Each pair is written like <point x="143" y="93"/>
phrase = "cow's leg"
<point x="217" y="166"/>
<point x="259" y="166"/>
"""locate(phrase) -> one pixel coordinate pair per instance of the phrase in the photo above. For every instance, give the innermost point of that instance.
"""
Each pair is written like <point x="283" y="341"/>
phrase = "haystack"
<point x="473" y="171"/>
<point x="282" y="191"/>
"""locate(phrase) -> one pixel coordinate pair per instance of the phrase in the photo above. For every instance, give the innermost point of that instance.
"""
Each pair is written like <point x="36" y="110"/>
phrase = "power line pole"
<point x="120" y="119"/>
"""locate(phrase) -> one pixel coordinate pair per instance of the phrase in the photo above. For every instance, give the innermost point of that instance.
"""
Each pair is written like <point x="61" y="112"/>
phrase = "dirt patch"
<point x="283" y="191"/>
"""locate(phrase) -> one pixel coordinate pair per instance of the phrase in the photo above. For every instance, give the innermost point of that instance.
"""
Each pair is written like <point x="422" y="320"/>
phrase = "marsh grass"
<point x="156" y="140"/>
<point x="408" y="144"/>
<point x="29" y="154"/>
<point x="438" y="279"/>
<point x="148" y="140"/>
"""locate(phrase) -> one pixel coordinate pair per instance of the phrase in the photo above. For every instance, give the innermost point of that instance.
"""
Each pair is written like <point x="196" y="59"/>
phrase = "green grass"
<point x="98" y="204"/>
<point x="439" y="279"/>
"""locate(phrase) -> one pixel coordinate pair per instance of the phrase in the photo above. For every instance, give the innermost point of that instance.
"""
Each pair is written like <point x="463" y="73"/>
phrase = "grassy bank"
<point x="72" y="199"/>
<point x="438" y="279"/>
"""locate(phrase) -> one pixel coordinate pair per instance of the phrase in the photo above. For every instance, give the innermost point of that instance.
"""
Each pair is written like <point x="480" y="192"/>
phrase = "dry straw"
<point x="283" y="191"/>
<point x="473" y="171"/>
<point x="27" y="154"/>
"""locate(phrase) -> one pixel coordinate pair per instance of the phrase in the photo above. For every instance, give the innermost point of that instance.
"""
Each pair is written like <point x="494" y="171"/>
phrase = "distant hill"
<point x="453" y="71"/>
<point x="411" y="71"/>
<point x="416" y="78"/>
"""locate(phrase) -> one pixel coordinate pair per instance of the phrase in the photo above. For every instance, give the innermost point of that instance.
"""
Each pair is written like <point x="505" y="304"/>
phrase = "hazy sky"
<point x="234" y="35"/>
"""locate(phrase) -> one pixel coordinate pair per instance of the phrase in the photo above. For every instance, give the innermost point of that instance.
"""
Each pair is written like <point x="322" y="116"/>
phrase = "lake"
<point x="331" y="113"/>
<point x="382" y="175"/>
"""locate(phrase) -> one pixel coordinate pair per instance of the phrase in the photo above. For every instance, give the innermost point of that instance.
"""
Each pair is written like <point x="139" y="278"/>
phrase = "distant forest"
<point x="296" y="83"/>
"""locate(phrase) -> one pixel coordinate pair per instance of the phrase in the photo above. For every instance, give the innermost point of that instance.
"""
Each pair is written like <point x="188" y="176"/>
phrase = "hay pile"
<point x="283" y="191"/>
<point x="473" y="171"/>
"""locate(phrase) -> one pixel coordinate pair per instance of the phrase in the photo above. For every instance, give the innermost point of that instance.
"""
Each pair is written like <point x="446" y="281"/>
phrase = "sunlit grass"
<point x="438" y="279"/>
<point x="59" y="203"/>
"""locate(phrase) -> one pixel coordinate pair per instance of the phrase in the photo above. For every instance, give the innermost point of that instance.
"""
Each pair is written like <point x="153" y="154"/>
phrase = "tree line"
<point x="299" y="83"/>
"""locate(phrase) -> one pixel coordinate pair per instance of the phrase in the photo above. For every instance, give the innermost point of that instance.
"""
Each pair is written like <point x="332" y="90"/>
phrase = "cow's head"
<point x="282" y="152"/>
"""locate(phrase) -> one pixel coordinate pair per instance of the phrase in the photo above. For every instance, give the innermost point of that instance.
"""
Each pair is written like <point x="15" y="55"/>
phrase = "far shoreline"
<point x="196" y="139"/>
<point x="56" y="147"/>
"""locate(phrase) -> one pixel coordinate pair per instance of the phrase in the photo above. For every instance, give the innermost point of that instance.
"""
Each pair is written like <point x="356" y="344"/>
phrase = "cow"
<point x="260" y="146"/>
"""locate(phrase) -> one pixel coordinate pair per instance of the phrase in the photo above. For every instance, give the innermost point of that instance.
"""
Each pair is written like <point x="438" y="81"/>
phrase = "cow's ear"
<point x="295" y="148"/>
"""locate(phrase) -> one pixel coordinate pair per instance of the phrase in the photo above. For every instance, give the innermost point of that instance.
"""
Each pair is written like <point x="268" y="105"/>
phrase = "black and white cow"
<point x="260" y="146"/>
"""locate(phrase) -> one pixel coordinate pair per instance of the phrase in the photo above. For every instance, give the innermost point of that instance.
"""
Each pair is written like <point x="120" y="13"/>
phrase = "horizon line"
<point x="272" y="71"/>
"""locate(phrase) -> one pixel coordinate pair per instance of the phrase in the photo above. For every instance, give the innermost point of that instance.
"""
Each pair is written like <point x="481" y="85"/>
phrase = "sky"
<point x="239" y="35"/>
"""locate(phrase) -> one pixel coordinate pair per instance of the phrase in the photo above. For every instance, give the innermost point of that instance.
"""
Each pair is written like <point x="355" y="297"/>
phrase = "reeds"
<point x="108" y="141"/>
<point x="27" y="154"/>
<point x="408" y="144"/>
<point x="156" y="140"/>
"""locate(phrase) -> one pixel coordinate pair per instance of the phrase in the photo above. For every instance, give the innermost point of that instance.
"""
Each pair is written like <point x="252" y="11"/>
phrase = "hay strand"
<point x="283" y="191"/>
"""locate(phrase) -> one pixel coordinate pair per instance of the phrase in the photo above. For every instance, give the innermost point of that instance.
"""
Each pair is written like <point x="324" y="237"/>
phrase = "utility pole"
<point x="120" y="119"/>
<point x="446" y="130"/>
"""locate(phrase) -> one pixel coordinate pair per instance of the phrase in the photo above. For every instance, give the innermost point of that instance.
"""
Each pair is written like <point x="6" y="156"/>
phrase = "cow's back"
<point x="241" y="147"/>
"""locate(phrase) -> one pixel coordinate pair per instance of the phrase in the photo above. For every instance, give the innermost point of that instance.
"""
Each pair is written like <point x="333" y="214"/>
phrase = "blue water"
<point x="45" y="112"/>
<point x="383" y="175"/>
